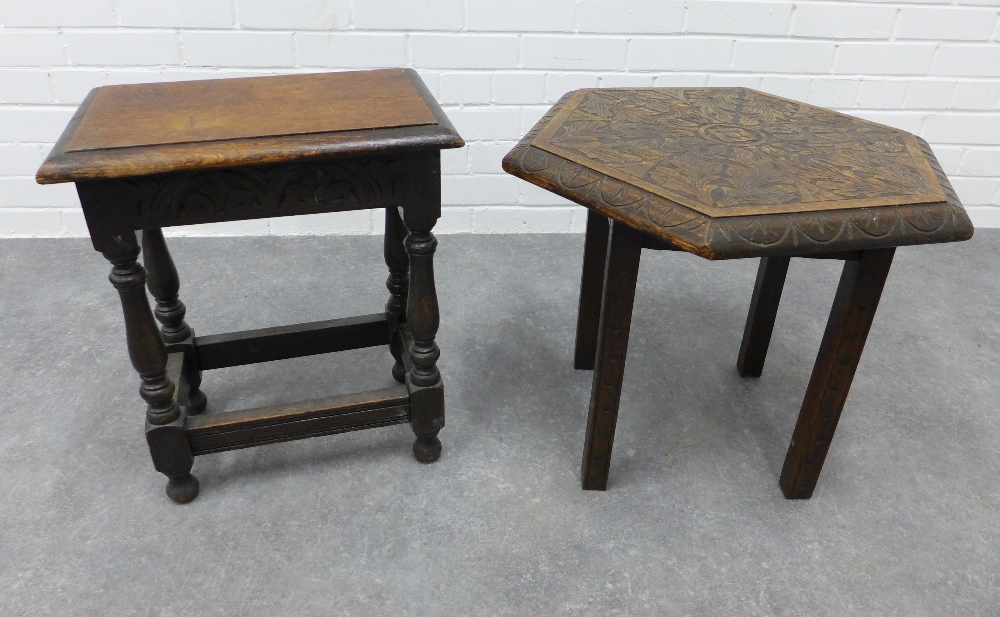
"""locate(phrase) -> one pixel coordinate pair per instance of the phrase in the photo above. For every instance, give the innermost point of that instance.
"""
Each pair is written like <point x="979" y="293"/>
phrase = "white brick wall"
<point x="927" y="66"/>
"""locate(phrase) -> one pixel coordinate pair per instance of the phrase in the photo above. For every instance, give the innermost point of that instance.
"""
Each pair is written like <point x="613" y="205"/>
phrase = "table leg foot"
<point x="197" y="401"/>
<point x="182" y="489"/>
<point x="427" y="447"/>
<point x="399" y="372"/>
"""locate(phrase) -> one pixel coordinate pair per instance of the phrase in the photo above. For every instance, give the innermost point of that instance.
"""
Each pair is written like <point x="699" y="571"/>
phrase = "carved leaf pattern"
<point x="273" y="190"/>
<point x="725" y="148"/>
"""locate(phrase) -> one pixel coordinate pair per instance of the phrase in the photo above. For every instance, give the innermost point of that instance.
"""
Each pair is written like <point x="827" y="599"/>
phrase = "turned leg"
<point x="424" y="380"/>
<point x="398" y="284"/>
<point x="595" y="249"/>
<point x="165" y="423"/>
<point x="164" y="285"/>
<point x="843" y="341"/>
<point x="620" y="273"/>
<point x="760" y="320"/>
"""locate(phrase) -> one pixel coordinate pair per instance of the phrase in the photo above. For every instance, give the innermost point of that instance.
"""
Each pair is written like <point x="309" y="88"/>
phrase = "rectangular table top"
<point x="139" y="129"/>
<point x="211" y="110"/>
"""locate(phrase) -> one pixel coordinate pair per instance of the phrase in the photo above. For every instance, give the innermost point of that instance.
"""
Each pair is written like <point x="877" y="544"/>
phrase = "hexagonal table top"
<point x="732" y="172"/>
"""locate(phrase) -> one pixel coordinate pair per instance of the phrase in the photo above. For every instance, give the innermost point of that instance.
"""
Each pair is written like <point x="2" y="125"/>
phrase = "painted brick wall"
<point x="929" y="67"/>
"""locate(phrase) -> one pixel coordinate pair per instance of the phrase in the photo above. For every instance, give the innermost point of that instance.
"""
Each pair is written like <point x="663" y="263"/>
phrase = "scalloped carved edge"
<point x="745" y="236"/>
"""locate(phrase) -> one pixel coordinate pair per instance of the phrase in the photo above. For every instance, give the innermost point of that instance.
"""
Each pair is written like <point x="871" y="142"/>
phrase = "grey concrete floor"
<point x="905" y="520"/>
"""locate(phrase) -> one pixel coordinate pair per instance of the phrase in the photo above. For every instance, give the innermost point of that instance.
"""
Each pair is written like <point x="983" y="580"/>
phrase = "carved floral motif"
<point x="743" y="235"/>
<point x="715" y="150"/>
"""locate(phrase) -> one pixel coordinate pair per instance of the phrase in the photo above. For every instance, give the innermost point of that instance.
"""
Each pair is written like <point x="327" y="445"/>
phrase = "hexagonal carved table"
<point x="728" y="173"/>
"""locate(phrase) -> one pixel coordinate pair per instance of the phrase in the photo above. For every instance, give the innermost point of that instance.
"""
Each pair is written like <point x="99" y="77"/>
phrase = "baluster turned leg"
<point x="422" y="318"/>
<point x="398" y="285"/>
<point x="620" y="274"/>
<point x="165" y="422"/>
<point x="839" y="354"/>
<point x="763" y="311"/>
<point x="595" y="249"/>
<point x="164" y="284"/>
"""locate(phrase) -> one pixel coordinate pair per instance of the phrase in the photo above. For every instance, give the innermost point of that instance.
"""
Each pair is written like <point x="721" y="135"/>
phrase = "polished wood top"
<point x="726" y="172"/>
<point x="217" y="109"/>
<point x="153" y="128"/>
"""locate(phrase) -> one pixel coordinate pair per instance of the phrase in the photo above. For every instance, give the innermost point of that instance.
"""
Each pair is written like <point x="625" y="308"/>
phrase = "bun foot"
<point x="184" y="488"/>
<point x="196" y="402"/>
<point x="399" y="372"/>
<point x="427" y="448"/>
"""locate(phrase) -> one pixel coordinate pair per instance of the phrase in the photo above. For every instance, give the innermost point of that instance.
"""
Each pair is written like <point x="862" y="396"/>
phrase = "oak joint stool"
<point x="729" y="173"/>
<point x="149" y="156"/>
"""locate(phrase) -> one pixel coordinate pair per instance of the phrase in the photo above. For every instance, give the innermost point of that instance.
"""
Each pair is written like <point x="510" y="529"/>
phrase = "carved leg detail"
<point x="620" y="274"/>
<point x="853" y="310"/>
<point x="398" y="285"/>
<point x="422" y="316"/>
<point x="164" y="419"/>
<point x="164" y="285"/>
<point x="760" y="320"/>
<point x="595" y="250"/>
<point x="424" y="379"/>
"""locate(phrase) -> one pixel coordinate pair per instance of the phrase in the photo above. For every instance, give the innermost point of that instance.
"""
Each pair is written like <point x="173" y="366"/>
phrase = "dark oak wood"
<point x="144" y="157"/>
<point x="730" y="172"/>
<point x="243" y="193"/>
<point x="283" y="342"/>
<point x="595" y="251"/>
<point x="733" y="173"/>
<point x="248" y="428"/>
<point x="146" y="350"/>
<point x="760" y="320"/>
<point x="398" y="285"/>
<point x="164" y="285"/>
<point x="843" y="341"/>
<point x="420" y="211"/>
<point x="620" y="273"/>
<point x="71" y="166"/>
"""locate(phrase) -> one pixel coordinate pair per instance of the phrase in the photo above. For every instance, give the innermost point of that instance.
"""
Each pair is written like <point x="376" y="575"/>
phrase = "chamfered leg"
<point x="620" y="273"/>
<point x="398" y="285"/>
<point x="165" y="422"/>
<point x="164" y="285"/>
<point x="595" y="250"/>
<point x="760" y="320"/>
<point x="850" y="320"/>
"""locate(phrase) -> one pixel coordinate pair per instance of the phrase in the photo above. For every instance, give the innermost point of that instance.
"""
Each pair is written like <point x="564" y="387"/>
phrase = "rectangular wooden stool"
<point x="149" y="156"/>
<point x="729" y="173"/>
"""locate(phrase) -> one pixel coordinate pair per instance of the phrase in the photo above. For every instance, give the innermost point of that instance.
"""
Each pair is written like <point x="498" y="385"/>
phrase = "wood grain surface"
<point x="64" y="165"/>
<point x="735" y="151"/>
<point x="220" y="109"/>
